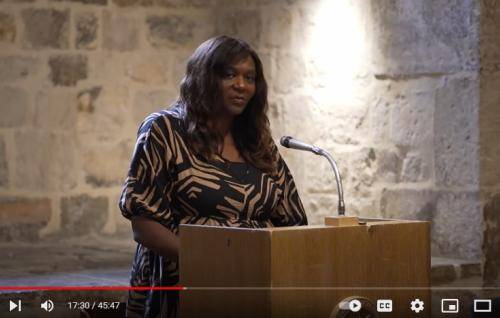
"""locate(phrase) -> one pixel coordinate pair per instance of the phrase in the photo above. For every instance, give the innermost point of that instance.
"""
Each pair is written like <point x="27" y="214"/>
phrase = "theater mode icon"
<point x="384" y="305"/>
<point x="482" y="305"/>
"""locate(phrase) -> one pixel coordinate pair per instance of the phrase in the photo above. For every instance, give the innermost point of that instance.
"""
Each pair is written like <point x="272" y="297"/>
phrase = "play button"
<point x="355" y="305"/>
<point x="14" y="305"/>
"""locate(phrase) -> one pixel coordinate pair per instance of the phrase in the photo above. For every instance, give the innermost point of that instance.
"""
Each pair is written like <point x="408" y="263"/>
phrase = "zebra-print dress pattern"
<point x="168" y="183"/>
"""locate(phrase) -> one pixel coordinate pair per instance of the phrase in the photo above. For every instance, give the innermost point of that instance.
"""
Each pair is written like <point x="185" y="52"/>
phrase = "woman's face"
<point x="238" y="86"/>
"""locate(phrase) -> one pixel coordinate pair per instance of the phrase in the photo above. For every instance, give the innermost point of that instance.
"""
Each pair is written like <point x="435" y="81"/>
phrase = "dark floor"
<point x="89" y="261"/>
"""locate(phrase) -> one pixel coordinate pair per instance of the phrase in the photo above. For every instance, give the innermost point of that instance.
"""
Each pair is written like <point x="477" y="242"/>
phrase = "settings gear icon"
<point x="417" y="305"/>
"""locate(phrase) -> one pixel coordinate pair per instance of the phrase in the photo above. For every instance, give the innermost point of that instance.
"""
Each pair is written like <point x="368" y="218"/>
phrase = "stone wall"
<point x="77" y="78"/>
<point x="392" y="89"/>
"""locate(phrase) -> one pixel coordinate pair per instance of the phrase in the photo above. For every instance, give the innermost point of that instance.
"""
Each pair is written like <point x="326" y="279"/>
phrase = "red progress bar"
<point x="63" y="288"/>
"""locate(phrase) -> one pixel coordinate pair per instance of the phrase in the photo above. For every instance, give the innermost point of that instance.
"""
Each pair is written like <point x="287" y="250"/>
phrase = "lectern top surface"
<point x="261" y="229"/>
<point x="364" y="222"/>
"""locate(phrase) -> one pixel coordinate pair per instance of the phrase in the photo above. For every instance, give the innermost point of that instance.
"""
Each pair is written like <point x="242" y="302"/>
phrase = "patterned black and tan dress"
<point x="168" y="183"/>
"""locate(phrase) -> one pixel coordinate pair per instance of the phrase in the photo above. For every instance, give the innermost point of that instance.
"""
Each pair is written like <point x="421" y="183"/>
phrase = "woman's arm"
<point x="290" y="211"/>
<point x="145" y="198"/>
<point x="156" y="237"/>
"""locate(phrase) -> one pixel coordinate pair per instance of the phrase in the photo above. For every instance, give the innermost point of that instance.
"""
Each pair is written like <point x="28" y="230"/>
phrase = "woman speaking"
<point x="208" y="159"/>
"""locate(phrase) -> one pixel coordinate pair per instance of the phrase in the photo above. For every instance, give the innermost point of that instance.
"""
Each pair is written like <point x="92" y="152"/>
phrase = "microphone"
<point x="290" y="142"/>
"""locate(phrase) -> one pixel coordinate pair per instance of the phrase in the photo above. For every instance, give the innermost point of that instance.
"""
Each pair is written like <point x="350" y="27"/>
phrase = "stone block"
<point x="4" y="166"/>
<point x="165" y="3"/>
<point x="14" y="106"/>
<point x="67" y="70"/>
<point x="366" y="206"/>
<point x="128" y="3"/>
<point x="456" y="133"/>
<point x="489" y="38"/>
<point x="186" y="3"/>
<point x="110" y="109"/>
<point x="18" y="1"/>
<point x="227" y="3"/>
<point x="379" y="119"/>
<point x="107" y="66"/>
<point x="28" y="232"/>
<point x="14" y="68"/>
<point x="83" y="214"/>
<point x="336" y="124"/>
<point x="411" y="122"/>
<point x="319" y="206"/>
<point x="149" y="71"/>
<point x="22" y="218"/>
<point x="489" y="116"/>
<point x="175" y="30"/>
<point x="416" y="166"/>
<point x="276" y="117"/>
<point x="408" y="204"/>
<point x="489" y="159"/>
<point x="17" y="210"/>
<point x="296" y="108"/>
<point x="457" y="228"/>
<point x="122" y="225"/>
<point x="277" y="25"/>
<point x="241" y="23"/>
<point x="117" y="224"/>
<point x="289" y="72"/>
<point x="469" y="270"/>
<point x="335" y="37"/>
<point x="491" y="242"/>
<point x="389" y="165"/>
<point x="178" y="66"/>
<point x="424" y="37"/>
<point x="319" y="174"/>
<point x="95" y="2"/>
<point x="357" y="170"/>
<point x="146" y="103"/>
<point x="120" y="33"/>
<point x="443" y="274"/>
<point x="266" y="58"/>
<point x="490" y="55"/>
<point x="457" y="26"/>
<point x="8" y="29"/>
<point x="86" y="26"/>
<point x="46" y="28"/>
<point x="106" y="165"/>
<point x="55" y="109"/>
<point x="490" y="12"/>
<point x="45" y="161"/>
<point x="87" y="99"/>
<point x="184" y="32"/>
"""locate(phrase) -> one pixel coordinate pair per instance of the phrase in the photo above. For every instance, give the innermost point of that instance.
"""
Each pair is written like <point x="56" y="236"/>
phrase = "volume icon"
<point x="48" y="305"/>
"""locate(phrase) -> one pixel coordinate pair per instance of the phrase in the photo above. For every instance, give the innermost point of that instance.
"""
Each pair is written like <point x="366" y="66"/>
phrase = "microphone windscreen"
<point x="285" y="141"/>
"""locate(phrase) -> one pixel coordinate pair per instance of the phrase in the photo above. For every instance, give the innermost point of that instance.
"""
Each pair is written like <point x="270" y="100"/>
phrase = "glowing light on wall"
<point x="337" y="50"/>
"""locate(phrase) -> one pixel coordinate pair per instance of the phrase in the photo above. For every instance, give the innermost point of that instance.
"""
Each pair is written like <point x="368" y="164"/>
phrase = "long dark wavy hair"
<point x="200" y="97"/>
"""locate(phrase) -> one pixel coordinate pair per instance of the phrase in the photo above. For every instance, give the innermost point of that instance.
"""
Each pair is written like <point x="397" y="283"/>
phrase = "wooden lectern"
<point x="305" y="271"/>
